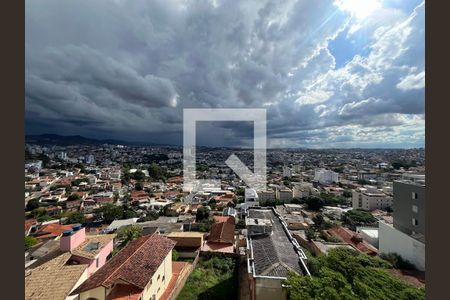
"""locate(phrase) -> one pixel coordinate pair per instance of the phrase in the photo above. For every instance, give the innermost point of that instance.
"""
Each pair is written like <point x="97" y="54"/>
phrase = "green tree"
<point x="111" y="212"/>
<point x="73" y="197"/>
<point x="318" y="220"/>
<point x="348" y="274"/>
<point x="347" y="194"/>
<point x="155" y="172"/>
<point x="129" y="233"/>
<point x="240" y="192"/>
<point x="314" y="203"/>
<point x="30" y="242"/>
<point x="139" y="175"/>
<point x="38" y="212"/>
<point x="310" y="234"/>
<point x="32" y="204"/>
<point x="175" y="255"/>
<point x="139" y="186"/>
<point x="202" y="213"/>
<point x="357" y="217"/>
<point x="75" y="217"/>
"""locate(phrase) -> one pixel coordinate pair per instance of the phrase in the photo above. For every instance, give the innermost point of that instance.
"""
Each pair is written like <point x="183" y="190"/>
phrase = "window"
<point x="415" y="222"/>
<point x="415" y="208"/>
<point x="414" y="195"/>
<point x="158" y="277"/>
<point x="96" y="262"/>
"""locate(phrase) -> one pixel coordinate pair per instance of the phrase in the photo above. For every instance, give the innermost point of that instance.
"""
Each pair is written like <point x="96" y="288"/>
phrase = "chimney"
<point x="72" y="238"/>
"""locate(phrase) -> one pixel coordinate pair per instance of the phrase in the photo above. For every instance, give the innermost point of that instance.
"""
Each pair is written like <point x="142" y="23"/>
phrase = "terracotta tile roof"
<point x="29" y="223"/>
<point x="222" y="232"/>
<point x="136" y="194"/>
<point x="104" y="200"/>
<point x="136" y="263"/>
<point x="53" y="279"/>
<point x="99" y="241"/>
<point x="51" y="230"/>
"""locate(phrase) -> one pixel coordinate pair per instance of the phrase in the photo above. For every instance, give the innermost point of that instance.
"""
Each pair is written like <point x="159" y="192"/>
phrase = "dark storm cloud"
<point x="126" y="69"/>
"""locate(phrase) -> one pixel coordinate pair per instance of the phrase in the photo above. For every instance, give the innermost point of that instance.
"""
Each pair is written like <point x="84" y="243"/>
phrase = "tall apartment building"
<point x="287" y="172"/>
<point x="409" y="207"/>
<point x="325" y="176"/>
<point x="90" y="159"/>
<point x="370" y="198"/>
<point x="406" y="237"/>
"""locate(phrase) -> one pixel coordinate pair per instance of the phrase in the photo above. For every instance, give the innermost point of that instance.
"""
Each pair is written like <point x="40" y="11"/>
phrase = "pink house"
<point x="92" y="250"/>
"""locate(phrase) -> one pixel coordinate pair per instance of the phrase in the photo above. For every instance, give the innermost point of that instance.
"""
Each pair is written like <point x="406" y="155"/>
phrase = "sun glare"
<point x="360" y="9"/>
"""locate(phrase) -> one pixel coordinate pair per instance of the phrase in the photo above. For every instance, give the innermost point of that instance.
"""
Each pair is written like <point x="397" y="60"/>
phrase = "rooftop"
<point x="135" y="264"/>
<point x="92" y="245"/>
<point x="186" y="234"/>
<point x="275" y="254"/>
<point x="53" y="279"/>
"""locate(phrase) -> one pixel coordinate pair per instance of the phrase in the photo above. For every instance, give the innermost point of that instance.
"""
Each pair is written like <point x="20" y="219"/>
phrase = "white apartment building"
<point x="287" y="172"/>
<point x="370" y="198"/>
<point x="90" y="159"/>
<point x="62" y="155"/>
<point x="325" y="176"/>
<point x="251" y="198"/>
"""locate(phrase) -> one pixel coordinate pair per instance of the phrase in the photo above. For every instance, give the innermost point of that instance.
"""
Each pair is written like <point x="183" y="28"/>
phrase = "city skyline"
<point x="331" y="74"/>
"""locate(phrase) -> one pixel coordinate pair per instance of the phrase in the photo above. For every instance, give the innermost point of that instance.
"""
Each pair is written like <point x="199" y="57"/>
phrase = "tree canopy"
<point x="32" y="204"/>
<point x="348" y="274"/>
<point x="75" y="217"/>
<point x="314" y="203"/>
<point x="129" y="233"/>
<point x="202" y="213"/>
<point x="358" y="217"/>
<point x="113" y="212"/>
<point x="30" y="242"/>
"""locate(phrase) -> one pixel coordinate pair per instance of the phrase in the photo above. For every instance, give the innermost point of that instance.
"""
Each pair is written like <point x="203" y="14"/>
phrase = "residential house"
<point x="142" y="270"/>
<point x="272" y="253"/>
<point x="61" y="269"/>
<point x="221" y="237"/>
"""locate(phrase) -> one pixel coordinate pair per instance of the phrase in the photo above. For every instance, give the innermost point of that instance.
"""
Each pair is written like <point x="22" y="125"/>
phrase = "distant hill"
<point x="64" y="140"/>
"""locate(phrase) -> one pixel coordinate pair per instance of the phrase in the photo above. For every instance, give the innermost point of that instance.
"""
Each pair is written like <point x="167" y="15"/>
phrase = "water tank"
<point x="76" y="227"/>
<point x="68" y="232"/>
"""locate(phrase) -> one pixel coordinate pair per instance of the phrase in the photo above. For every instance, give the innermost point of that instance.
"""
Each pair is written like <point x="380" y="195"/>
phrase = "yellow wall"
<point x="97" y="293"/>
<point x="165" y="269"/>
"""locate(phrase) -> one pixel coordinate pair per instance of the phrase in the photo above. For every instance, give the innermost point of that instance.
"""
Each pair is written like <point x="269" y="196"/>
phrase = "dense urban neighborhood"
<point x="113" y="221"/>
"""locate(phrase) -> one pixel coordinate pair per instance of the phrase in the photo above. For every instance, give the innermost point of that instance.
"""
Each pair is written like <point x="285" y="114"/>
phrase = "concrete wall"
<point x="392" y="240"/>
<point x="68" y="243"/>
<point x="269" y="289"/>
<point x="403" y="211"/>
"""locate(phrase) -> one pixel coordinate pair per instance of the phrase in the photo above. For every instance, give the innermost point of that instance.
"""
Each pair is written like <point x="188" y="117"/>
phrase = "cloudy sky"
<point x="348" y="73"/>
